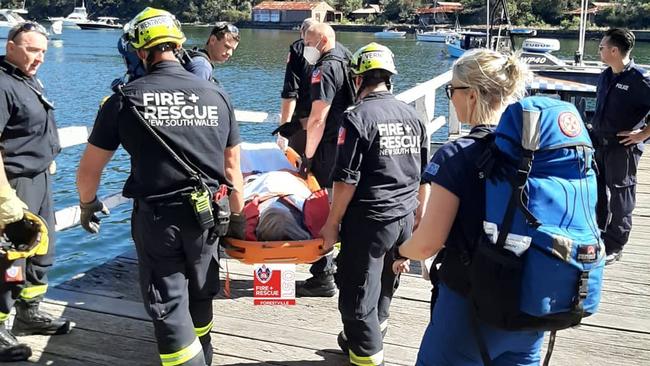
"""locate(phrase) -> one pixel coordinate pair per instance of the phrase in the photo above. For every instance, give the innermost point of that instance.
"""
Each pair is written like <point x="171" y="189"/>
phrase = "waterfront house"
<point x="363" y="13"/>
<point x="437" y="13"/>
<point x="293" y="12"/>
<point x="595" y="8"/>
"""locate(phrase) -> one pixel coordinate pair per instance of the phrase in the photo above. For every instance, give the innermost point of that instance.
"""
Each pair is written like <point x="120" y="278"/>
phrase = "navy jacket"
<point x="623" y="100"/>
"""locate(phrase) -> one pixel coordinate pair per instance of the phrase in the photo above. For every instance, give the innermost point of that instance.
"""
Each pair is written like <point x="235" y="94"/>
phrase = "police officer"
<point x="175" y="241"/>
<point x="222" y="42"/>
<point x="381" y="155"/>
<point x="619" y="137"/>
<point x="331" y="95"/>
<point x="296" y="104"/>
<point x="29" y="144"/>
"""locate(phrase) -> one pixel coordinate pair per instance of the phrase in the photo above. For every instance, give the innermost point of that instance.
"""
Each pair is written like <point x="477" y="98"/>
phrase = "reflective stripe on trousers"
<point x="374" y="360"/>
<point x="31" y="292"/>
<point x="182" y="356"/>
<point x="200" y="332"/>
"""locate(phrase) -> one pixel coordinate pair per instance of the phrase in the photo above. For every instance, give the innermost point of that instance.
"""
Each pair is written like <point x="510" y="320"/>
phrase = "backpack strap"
<point x="484" y="165"/>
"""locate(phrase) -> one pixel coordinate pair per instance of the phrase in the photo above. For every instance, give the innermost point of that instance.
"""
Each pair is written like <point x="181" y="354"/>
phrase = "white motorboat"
<point x="439" y="36"/>
<point x="390" y="33"/>
<point x="78" y="15"/>
<point x="10" y="18"/>
<point x="101" y="23"/>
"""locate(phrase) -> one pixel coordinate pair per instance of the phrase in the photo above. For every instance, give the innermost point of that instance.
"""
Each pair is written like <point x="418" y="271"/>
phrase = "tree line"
<point x="630" y="13"/>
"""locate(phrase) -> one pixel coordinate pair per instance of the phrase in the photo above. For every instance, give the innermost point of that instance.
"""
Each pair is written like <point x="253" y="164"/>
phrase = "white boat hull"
<point x="390" y="34"/>
<point x="438" y="37"/>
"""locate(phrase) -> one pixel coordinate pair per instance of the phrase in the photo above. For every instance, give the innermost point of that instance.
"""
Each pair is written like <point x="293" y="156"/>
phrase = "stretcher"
<point x="259" y="158"/>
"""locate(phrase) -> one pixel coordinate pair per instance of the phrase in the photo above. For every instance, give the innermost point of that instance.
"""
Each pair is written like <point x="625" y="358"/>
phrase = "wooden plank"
<point x="280" y="326"/>
<point x="45" y="358"/>
<point x="96" y="348"/>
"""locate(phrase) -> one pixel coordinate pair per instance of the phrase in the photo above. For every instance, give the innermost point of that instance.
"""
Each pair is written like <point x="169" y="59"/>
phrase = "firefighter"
<point x="29" y="144"/>
<point x="183" y="140"/>
<point x="381" y="154"/>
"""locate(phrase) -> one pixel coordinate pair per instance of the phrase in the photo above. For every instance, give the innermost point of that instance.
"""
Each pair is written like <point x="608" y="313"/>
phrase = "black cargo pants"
<point x="179" y="277"/>
<point x="367" y="283"/>
<point x="36" y="192"/>
<point x="617" y="169"/>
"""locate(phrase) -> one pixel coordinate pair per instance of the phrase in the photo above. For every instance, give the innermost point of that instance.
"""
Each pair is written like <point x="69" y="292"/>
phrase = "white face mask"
<point x="311" y="54"/>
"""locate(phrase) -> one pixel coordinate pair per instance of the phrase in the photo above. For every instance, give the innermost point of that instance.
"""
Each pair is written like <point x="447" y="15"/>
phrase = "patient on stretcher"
<point x="280" y="206"/>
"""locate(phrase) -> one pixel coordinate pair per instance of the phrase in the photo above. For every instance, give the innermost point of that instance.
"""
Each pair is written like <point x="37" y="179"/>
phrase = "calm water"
<point x="80" y="67"/>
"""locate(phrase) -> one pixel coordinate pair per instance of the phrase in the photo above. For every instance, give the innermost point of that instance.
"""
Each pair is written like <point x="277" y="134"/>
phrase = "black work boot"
<point x="317" y="286"/>
<point x="342" y="340"/>
<point x="29" y="320"/>
<point x="10" y="348"/>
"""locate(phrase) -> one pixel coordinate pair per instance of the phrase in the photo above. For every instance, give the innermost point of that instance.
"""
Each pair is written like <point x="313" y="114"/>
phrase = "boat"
<point x="101" y="23"/>
<point x="441" y="35"/>
<point x="465" y="41"/>
<point x="438" y="36"/>
<point x="497" y="37"/>
<point x="10" y="18"/>
<point x="390" y="33"/>
<point x="78" y="15"/>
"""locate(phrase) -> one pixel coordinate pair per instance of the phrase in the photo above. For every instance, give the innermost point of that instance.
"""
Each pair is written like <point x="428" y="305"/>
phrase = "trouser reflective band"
<point x="3" y="317"/>
<point x="383" y="326"/>
<point x="182" y="356"/>
<point x="200" y="332"/>
<point x="33" y="291"/>
<point x="374" y="360"/>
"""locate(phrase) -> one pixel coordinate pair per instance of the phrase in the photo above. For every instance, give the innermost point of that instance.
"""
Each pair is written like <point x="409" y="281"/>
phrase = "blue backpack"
<point x="539" y="262"/>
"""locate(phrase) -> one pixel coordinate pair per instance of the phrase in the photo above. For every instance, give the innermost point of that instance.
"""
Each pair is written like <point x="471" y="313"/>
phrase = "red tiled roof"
<point x="578" y="11"/>
<point x="598" y="6"/>
<point x="440" y="9"/>
<point x="290" y="5"/>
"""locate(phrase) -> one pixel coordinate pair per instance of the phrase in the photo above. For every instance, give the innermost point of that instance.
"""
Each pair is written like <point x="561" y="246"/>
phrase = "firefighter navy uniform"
<point x="178" y="262"/>
<point x="297" y="83"/>
<point x="623" y="103"/>
<point x="328" y="83"/>
<point x="382" y="151"/>
<point x="29" y="142"/>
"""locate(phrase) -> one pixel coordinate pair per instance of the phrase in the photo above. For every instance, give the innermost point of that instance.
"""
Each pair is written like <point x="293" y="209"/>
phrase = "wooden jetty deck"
<point x="112" y="328"/>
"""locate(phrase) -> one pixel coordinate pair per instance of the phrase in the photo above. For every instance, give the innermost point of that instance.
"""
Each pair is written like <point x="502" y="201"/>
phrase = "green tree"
<point x="348" y="6"/>
<point x="402" y="11"/>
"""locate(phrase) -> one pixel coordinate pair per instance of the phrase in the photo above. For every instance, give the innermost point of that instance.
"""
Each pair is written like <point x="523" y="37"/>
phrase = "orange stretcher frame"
<point x="297" y="251"/>
<point x="292" y="251"/>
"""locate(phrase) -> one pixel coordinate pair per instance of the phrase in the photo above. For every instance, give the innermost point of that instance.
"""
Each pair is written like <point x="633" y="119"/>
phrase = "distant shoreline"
<point x="641" y="35"/>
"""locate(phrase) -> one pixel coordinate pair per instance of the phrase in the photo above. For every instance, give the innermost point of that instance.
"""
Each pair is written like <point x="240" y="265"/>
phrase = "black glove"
<point x="89" y="220"/>
<point x="237" y="226"/>
<point x="305" y="167"/>
<point x="288" y="129"/>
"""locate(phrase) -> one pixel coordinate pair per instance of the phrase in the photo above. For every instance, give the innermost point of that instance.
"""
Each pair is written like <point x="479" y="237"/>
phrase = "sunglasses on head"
<point x="449" y="89"/>
<point x="28" y="27"/>
<point x="225" y="26"/>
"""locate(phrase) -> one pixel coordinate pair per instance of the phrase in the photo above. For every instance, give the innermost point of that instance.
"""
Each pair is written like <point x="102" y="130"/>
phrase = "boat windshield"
<point x="11" y="17"/>
<point x="79" y="11"/>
